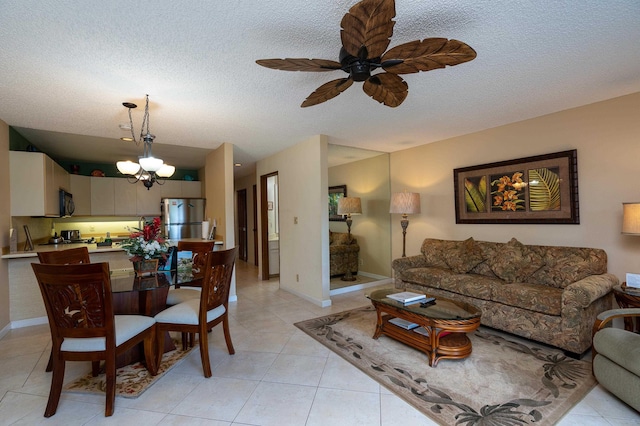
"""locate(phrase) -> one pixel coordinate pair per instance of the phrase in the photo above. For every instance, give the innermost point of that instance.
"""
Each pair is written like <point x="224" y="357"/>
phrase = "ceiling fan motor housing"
<point x="358" y="69"/>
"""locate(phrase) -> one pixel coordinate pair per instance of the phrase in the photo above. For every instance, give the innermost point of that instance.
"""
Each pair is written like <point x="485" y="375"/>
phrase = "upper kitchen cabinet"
<point x="102" y="196"/>
<point x="191" y="189"/>
<point x="35" y="184"/>
<point x="80" y="187"/>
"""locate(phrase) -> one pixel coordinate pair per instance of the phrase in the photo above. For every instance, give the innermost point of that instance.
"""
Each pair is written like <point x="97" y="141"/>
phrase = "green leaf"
<point x="475" y="195"/>
<point x="545" y="193"/>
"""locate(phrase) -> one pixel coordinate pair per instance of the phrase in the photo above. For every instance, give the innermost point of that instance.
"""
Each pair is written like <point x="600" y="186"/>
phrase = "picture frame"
<point x="541" y="189"/>
<point x="335" y="193"/>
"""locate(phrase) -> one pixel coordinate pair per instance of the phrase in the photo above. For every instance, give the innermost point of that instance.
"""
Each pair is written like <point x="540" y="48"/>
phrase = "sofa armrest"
<point x="402" y="264"/>
<point x="584" y="292"/>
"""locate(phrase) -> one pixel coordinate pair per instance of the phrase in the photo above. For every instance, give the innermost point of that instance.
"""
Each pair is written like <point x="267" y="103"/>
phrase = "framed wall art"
<point x="542" y="189"/>
<point x="335" y="193"/>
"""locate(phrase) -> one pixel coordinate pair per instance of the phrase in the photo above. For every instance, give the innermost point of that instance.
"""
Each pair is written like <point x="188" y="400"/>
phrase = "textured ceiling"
<point x="67" y="66"/>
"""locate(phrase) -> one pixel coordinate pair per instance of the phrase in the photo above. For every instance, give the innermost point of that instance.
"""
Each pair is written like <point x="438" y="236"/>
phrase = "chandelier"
<point x="148" y="169"/>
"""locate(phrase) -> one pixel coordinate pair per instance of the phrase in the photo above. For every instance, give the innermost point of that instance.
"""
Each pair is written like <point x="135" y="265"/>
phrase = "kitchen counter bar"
<point x="93" y="248"/>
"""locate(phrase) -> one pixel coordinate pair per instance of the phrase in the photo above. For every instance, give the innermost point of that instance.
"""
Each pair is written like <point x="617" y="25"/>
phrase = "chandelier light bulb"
<point x="151" y="164"/>
<point x="128" y="167"/>
<point x="166" y="171"/>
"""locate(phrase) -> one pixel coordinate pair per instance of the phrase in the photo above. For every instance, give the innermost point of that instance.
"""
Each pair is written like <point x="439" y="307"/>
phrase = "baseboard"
<point x="317" y="302"/>
<point x="29" y="322"/>
<point x="374" y="276"/>
<point x="357" y="287"/>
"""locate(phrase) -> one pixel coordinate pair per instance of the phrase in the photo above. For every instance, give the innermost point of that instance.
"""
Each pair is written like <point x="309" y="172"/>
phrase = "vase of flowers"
<point x="147" y="247"/>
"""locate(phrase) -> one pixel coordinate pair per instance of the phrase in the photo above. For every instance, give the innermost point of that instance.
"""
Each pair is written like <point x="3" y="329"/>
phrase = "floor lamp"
<point x="405" y="203"/>
<point x="348" y="206"/>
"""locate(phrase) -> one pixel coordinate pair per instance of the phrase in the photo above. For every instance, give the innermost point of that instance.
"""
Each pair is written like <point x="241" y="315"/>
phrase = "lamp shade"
<point x="128" y="167"/>
<point x="166" y="171"/>
<point x="631" y="218"/>
<point x="150" y="164"/>
<point x="349" y="205"/>
<point x="405" y="203"/>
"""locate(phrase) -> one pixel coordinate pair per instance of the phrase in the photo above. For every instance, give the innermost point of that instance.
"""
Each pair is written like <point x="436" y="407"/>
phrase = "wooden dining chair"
<point x="83" y="327"/>
<point x="202" y="314"/>
<point x="198" y="250"/>
<point x="65" y="257"/>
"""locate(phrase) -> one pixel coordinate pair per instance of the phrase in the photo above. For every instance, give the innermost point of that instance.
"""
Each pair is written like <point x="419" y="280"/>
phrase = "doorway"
<point x="241" y="208"/>
<point x="269" y="220"/>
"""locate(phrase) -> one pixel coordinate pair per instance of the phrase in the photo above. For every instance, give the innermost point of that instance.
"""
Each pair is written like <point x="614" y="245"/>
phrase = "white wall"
<point x="5" y="224"/>
<point x="303" y="189"/>
<point x="607" y="138"/>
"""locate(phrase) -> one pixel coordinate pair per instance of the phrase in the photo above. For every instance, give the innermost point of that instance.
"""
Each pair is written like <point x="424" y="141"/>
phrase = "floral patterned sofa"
<point x="343" y="253"/>
<point x="550" y="294"/>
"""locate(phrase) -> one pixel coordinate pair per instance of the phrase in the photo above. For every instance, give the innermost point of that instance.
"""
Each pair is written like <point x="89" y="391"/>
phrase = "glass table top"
<point x="444" y="309"/>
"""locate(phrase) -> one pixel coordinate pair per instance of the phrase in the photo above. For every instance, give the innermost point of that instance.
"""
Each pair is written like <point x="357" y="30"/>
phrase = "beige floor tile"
<point x="396" y="412"/>
<point x="245" y="365"/>
<point x="278" y="404"/>
<point x="345" y="408"/>
<point x="296" y="370"/>
<point x="339" y="374"/>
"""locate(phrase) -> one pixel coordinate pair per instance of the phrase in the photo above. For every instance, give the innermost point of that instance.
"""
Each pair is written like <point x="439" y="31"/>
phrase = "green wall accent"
<point x="17" y="142"/>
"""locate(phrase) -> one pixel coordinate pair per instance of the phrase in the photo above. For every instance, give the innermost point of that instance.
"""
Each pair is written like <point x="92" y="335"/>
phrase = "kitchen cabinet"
<point x="35" y="182"/>
<point x="102" y="196"/>
<point x="80" y="188"/>
<point x="125" y="198"/>
<point x="148" y="200"/>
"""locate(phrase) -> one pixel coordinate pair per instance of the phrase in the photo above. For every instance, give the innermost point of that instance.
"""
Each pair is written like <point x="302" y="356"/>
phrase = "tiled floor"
<point x="278" y="376"/>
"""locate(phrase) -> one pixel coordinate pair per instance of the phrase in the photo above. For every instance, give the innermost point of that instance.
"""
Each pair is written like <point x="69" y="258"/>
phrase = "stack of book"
<point x="408" y="297"/>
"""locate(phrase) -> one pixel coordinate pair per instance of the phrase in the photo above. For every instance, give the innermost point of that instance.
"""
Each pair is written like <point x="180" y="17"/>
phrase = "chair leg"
<point x="150" y="356"/>
<point x="95" y="368"/>
<point x="50" y="363"/>
<point x="185" y="341"/>
<point x="227" y="334"/>
<point x="204" y="351"/>
<point x="56" y="387"/>
<point x="110" y="373"/>
<point x="159" y="351"/>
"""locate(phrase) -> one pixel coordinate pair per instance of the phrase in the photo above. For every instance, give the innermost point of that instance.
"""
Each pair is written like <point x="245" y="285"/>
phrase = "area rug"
<point x="131" y="380"/>
<point x="505" y="381"/>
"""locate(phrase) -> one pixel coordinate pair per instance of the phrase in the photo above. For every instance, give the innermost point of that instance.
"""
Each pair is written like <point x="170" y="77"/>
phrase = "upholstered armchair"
<point x="343" y="253"/>
<point x="615" y="356"/>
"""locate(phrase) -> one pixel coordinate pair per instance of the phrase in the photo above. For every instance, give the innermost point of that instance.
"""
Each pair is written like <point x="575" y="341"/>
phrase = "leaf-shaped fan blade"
<point x="427" y="55"/>
<point x="327" y="91"/>
<point x="369" y="24"/>
<point x="388" y="89"/>
<point x="300" y="64"/>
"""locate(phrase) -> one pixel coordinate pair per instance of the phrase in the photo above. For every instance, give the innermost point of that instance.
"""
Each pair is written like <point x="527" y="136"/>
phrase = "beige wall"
<point x="5" y="224"/>
<point x="247" y="183"/>
<point x="303" y="186"/>
<point x="607" y="138"/>
<point x="369" y="180"/>
<point x="219" y="194"/>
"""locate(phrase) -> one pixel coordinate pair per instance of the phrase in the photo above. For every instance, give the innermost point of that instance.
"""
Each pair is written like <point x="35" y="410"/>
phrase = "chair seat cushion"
<point x="179" y="295"/>
<point x="187" y="313"/>
<point x="126" y="327"/>
<point x="620" y="346"/>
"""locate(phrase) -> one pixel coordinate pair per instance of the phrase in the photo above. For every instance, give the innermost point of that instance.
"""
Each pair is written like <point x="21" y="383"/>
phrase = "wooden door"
<point x="241" y="208"/>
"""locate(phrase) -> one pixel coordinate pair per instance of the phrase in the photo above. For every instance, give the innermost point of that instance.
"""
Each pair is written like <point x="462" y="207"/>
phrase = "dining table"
<point x="145" y="295"/>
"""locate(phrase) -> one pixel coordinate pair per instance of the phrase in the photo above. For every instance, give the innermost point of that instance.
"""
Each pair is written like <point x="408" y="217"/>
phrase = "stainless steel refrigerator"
<point x="182" y="217"/>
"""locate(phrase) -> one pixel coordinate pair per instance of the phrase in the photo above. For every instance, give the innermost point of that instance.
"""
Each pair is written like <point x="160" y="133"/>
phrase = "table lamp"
<point x="405" y="203"/>
<point x="631" y="218"/>
<point x="348" y="206"/>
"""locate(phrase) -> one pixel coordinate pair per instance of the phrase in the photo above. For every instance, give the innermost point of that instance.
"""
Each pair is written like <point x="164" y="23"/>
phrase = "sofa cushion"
<point x="566" y="265"/>
<point x="533" y="297"/>
<point x="464" y="257"/>
<point x="430" y="277"/>
<point x="433" y="250"/>
<point x="514" y="262"/>
<point x="472" y="285"/>
<point x="620" y="346"/>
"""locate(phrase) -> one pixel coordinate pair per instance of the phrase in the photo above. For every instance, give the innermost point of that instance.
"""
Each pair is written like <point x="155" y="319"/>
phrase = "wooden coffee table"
<point x="442" y="326"/>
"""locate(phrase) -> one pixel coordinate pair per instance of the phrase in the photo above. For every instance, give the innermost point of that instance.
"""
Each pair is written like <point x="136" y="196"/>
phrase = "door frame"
<point x="264" y="222"/>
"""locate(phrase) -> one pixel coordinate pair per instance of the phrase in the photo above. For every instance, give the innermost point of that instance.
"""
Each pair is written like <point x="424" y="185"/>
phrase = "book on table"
<point x="407" y="325"/>
<point x="407" y="297"/>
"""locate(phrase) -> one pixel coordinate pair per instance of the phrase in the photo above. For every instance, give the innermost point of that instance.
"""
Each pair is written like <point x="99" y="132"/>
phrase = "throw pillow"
<point x="465" y="257"/>
<point x="514" y="262"/>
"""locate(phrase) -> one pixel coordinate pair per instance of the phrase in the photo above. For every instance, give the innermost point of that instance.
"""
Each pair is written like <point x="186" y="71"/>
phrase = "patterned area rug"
<point x="505" y="381"/>
<point x="131" y="380"/>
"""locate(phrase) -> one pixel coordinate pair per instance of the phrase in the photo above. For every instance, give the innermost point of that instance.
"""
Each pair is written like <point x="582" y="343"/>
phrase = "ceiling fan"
<point x="366" y="32"/>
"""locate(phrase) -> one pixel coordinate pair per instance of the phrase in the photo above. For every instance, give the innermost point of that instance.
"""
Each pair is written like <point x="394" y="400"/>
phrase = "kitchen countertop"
<point x="93" y="248"/>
